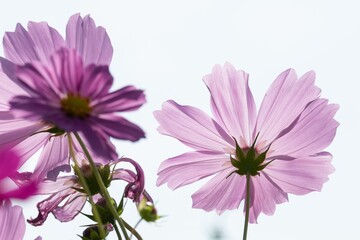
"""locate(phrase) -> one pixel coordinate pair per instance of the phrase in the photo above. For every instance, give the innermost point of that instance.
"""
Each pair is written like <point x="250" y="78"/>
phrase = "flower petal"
<point x="222" y="192"/>
<point x="14" y="133"/>
<point x="192" y="127"/>
<point x="232" y="103"/>
<point x="301" y="175"/>
<point x="90" y="41"/>
<point x="125" y="99"/>
<point x="71" y="208"/>
<point x="99" y="143"/>
<point x="118" y="127"/>
<point x="48" y="205"/>
<point x="313" y="131"/>
<point x="265" y="194"/>
<point x="96" y="82"/>
<point x="9" y="163"/>
<point x="18" y="46"/>
<point x="286" y="98"/>
<point x="53" y="158"/>
<point x="190" y="167"/>
<point x="46" y="40"/>
<point x="12" y="221"/>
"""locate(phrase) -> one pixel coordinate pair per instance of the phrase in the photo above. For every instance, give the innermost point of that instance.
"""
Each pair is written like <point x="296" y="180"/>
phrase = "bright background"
<point x="165" y="47"/>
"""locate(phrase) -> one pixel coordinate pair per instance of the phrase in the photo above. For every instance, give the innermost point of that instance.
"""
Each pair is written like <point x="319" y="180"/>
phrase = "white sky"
<point x="165" y="47"/>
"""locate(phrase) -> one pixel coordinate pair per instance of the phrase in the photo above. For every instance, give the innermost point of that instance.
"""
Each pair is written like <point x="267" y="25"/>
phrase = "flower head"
<point x="51" y="87"/>
<point x="280" y="147"/>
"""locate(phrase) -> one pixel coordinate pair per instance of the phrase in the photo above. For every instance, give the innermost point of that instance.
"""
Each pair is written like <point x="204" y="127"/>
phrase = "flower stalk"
<point x="247" y="206"/>
<point x="86" y="188"/>
<point x="103" y="189"/>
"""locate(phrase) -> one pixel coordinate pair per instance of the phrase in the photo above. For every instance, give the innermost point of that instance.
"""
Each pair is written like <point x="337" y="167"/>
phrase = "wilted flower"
<point x="58" y="86"/>
<point x="280" y="148"/>
<point x="67" y="196"/>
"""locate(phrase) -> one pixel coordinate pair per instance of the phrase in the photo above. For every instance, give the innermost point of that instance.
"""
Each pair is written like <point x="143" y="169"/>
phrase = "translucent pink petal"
<point x="265" y="194"/>
<point x="192" y="127"/>
<point x="55" y="154"/>
<point x="61" y="184"/>
<point x="90" y="41"/>
<point x="9" y="163"/>
<point x="232" y="103"/>
<point x="48" y="205"/>
<point x="12" y="222"/>
<point x="71" y="208"/>
<point x="18" y="46"/>
<point x="99" y="143"/>
<point x="285" y="100"/>
<point x="313" y="131"/>
<point x="125" y="99"/>
<point x="31" y="145"/>
<point x="120" y="128"/>
<point x="39" y="81"/>
<point x="190" y="167"/>
<point x="96" y="82"/>
<point x="46" y="40"/>
<point x="12" y="135"/>
<point x="7" y="90"/>
<point x="302" y="175"/>
<point x="222" y="192"/>
<point x="23" y="192"/>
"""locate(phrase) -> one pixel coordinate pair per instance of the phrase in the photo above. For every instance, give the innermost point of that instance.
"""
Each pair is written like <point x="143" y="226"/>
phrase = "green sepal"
<point x="91" y="217"/>
<point x="120" y="207"/>
<point x="239" y="152"/>
<point x="235" y="162"/>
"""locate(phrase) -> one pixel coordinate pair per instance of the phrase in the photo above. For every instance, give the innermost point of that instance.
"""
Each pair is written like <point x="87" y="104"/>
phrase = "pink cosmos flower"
<point x="280" y="147"/>
<point x="67" y="196"/>
<point x="12" y="222"/>
<point x="57" y="86"/>
<point x="9" y="165"/>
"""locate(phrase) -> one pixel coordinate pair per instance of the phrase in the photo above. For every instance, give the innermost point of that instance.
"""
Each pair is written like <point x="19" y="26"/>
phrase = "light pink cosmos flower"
<point x="67" y="197"/>
<point x="12" y="222"/>
<point x="280" y="146"/>
<point x="57" y="85"/>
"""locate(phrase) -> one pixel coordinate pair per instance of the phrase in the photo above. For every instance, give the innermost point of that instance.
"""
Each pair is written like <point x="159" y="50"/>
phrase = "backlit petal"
<point x="190" y="167"/>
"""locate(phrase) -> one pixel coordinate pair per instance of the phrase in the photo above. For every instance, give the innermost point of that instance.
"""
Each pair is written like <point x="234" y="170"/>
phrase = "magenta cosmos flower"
<point x="9" y="165"/>
<point x="54" y="86"/>
<point x="280" y="147"/>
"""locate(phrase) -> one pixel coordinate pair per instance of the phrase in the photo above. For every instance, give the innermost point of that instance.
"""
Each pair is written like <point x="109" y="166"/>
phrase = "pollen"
<point x="76" y="106"/>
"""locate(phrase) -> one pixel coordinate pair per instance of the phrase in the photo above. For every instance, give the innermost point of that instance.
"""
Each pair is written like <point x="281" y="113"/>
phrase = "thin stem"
<point x="86" y="188"/>
<point x="103" y="189"/>
<point x="117" y="231"/>
<point x="132" y="230"/>
<point x="247" y="206"/>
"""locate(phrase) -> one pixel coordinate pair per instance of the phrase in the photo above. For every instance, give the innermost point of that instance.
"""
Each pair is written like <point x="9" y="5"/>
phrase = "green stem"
<point x="103" y="189"/>
<point x="132" y="230"/>
<point x="86" y="188"/>
<point x="247" y="206"/>
<point x="117" y="231"/>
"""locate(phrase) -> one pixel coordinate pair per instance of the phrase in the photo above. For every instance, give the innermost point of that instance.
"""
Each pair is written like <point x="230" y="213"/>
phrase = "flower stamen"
<point x="76" y="106"/>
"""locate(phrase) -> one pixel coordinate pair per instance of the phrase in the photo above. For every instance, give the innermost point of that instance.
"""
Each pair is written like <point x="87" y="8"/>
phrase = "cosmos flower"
<point x="51" y="87"/>
<point x="280" y="147"/>
<point x="67" y="196"/>
<point x="9" y="165"/>
<point x="12" y="222"/>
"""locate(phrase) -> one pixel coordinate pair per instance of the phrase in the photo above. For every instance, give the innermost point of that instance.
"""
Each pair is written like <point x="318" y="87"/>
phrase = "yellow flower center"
<point x="76" y="106"/>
